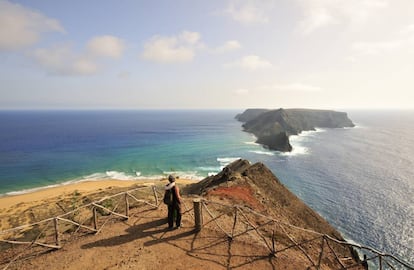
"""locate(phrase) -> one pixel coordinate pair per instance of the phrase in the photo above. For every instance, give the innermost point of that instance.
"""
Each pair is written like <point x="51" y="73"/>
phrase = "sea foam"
<point x="268" y="153"/>
<point x="193" y="175"/>
<point x="120" y="175"/>
<point x="224" y="161"/>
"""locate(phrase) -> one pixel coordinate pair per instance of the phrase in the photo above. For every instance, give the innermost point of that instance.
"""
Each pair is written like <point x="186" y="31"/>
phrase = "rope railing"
<point x="54" y="239"/>
<point x="241" y="221"/>
<point x="384" y="260"/>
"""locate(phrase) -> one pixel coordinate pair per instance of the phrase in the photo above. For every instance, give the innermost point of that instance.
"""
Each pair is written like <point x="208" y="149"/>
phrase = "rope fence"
<point x="276" y="236"/>
<point x="233" y="221"/>
<point x="53" y="233"/>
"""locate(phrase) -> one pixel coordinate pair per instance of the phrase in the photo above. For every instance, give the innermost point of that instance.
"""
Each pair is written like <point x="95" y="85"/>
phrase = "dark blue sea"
<point x="360" y="179"/>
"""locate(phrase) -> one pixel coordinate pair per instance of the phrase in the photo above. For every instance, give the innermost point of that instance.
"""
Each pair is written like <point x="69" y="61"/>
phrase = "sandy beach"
<point x="48" y="193"/>
<point x="18" y="205"/>
<point x="81" y="187"/>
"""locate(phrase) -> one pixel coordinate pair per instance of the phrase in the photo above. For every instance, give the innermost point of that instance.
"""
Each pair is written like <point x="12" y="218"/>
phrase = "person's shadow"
<point x="155" y="229"/>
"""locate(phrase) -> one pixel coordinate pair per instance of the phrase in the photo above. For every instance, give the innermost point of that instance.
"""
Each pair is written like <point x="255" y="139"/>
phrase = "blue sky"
<point x="334" y="54"/>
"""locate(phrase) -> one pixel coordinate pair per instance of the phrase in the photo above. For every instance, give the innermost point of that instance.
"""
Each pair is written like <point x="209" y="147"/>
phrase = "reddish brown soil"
<point x="231" y="238"/>
<point x="143" y="242"/>
<point x="237" y="194"/>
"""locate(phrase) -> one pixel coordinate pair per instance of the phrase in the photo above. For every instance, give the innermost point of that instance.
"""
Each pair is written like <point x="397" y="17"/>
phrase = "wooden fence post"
<point x="126" y="205"/>
<point x="234" y="222"/>
<point x="380" y="261"/>
<point x="56" y="224"/>
<point x="155" y="195"/>
<point x="198" y="216"/>
<point x="95" y="218"/>
<point x="321" y="254"/>
<point x="273" y="244"/>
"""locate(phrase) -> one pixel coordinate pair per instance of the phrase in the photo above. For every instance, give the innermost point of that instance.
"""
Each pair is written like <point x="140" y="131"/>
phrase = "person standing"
<point x="173" y="200"/>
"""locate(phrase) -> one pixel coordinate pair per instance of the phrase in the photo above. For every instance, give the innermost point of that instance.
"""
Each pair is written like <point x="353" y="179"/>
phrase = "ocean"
<point x="360" y="179"/>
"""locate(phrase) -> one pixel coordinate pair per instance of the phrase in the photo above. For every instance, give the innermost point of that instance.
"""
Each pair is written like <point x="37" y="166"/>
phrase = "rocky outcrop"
<point x="256" y="187"/>
<point x="269" y="191"/>
<point x="250" y="114"/>
<point x="273" y="127"/>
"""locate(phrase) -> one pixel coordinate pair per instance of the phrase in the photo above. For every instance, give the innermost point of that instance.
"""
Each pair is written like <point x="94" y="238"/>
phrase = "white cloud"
<point x="321" y="13"/>
<point x="83" y="66"/>
<point x="190" y="37"/>
<point x="21" y="27"/>
<point x="403" y="42"/>
<point x="251" y="62"/>
<point x="292" y="87"/>
<point x="172" y="49"/>
<point x="408" y="30"/>
<point x="372" y="48"/>
<point x="106" y="46"/>
<point x="249" y="11"/>
<point x="241" y="91"/>
<point x="63" y="60"/>
<point x="228" y="46"/>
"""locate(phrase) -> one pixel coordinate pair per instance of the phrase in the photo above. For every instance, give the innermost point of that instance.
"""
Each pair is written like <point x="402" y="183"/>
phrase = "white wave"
<point x="108" y="175"/>
<point x="212" y="173"/>
<point x="119" y="175"/>
<point x="356" y="125"/>
<point x="252" y="143"/>
<point x="298" y="150"/>
<point x="318" y="130"/>
<point x="91" y="177"/>
<point x="184" y="174"/>
<point x="227" y="160"/>
<point x="268" y="153"/>
<point x="310" y="133"/>
<point x="297" y="139"/>
<point x="30" y="190"/>
<point x="297" y="142"/>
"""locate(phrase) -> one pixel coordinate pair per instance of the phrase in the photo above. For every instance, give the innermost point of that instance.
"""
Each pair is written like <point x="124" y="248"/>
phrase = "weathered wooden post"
<point x="380" y="261"/>
<point x="95" y="218"/>
<point x="273" y="244"/>
<point x="154" y="190"/>
<point x="56" y="224"/>
<point x="321" y="254"/>
<point x="234" y="222"/>
<point x="126" y="205"/>
<point x="198" y="216"/>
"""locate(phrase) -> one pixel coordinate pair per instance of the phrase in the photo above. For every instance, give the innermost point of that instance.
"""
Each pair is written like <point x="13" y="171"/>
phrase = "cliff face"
<point x="256" y="187"/>
<point x="273" y="127"/>
<point x="250" y="114"/>
<point x="268" y="195"/>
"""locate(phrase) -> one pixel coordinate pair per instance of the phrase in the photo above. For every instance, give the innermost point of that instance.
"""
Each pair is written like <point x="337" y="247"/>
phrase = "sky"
<point x="216" y="54"/>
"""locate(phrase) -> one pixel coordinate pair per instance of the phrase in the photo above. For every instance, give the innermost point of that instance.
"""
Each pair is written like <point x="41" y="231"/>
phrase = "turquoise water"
<point x="48" y="148"/>
<point x="360" y="179"/>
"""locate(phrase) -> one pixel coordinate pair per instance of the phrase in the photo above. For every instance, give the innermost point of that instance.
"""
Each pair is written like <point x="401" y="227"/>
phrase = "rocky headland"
<point x="143" y="242"/>
<point x="272" y="128"/>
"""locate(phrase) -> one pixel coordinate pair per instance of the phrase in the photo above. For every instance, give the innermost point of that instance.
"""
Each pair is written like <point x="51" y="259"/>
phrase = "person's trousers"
<point x="174" y="214"/>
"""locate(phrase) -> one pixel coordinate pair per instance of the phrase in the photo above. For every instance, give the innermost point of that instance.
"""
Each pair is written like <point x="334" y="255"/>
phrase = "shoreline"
<point x="109" y="176"/>
<point x="85" y="187"/>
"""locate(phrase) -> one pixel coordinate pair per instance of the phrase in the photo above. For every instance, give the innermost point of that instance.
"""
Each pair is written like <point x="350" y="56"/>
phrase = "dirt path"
<point x="143" y="242"/>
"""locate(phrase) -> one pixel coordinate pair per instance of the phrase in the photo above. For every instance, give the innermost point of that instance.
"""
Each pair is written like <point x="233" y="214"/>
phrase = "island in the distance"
<point x="272" y="128"/>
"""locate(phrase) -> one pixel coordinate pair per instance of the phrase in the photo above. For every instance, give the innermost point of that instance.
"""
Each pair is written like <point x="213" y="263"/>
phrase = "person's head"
<point x="171" y="178"/>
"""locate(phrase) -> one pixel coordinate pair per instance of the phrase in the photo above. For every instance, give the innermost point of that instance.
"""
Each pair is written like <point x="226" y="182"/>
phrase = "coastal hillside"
<point x="258" y="188"/>
<point x="273" y="127"/>
<point x="249" y="221"/>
